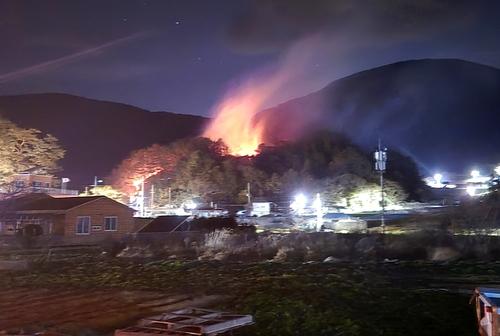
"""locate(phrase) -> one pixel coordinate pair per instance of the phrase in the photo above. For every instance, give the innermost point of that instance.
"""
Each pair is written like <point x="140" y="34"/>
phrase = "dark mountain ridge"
<point x="443" y="112"/>
<point x="96" y="134"/>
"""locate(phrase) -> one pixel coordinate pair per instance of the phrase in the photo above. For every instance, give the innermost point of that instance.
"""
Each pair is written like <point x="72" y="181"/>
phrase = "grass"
<point x="403" y="298"/>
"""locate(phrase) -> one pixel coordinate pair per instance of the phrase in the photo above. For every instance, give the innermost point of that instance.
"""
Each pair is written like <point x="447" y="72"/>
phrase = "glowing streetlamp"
<point x="299" y="203"/>
<point x="497" y="170"/>
<point x="318" y="206"/>
<point x="139" y="185"/>
<point x="471" y="190"/>
<point x="190" y="205"/>
<point x="438" y="179"/>
<point x="475" y="173"/>
<point x="380" y="157"/>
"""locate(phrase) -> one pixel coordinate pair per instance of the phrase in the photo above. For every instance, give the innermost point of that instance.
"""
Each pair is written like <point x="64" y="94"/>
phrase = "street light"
<point x="497" y="170"/>
<point x="318" y="205"/>
<point x="438" y="178"/>
<point x="475" y="173"/>
<point x="380" y="157"/>
<point x="299" y="203"/>
<point x="471" y="190"/>
<point x="190" y="205"/>
<point x="97" y="181"/>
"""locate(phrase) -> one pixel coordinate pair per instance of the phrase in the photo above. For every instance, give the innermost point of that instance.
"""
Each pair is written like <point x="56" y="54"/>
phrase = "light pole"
<point x="318" y="205"/>
<point x="380" y="164"/>
<point x="97" y="181"/>
<point x="299" y="204"/>
<point x="249" y="195"/>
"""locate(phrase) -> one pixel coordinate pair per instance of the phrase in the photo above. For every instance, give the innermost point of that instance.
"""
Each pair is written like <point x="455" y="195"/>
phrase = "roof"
<point x="188" y="321"/>
<point x="44" y="202"/>
<point x="188" y="223"/>
<point x="336" y="215"/>
<point x="166" y="224"/>
<point x="491" y="296"/>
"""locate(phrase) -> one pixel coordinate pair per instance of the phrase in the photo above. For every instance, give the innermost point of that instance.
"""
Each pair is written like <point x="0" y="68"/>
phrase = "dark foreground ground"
<point x="95" y="295"/>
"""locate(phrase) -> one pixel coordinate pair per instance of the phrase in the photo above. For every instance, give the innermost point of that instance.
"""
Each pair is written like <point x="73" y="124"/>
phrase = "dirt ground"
<point x="96" y="295"/>
<point x="77" y="310"/>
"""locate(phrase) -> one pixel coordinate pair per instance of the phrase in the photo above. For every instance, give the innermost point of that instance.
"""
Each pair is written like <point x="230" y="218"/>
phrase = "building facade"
<point x="37" y="183"/>
<point x="87" y="217"/>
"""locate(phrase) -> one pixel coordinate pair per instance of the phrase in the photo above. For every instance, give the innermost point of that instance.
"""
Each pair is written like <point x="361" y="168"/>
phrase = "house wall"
<point x="51" y="224"/>
<point x="98" y="210"/>
<point x="29" y="180"/>
<point x="58" y="224"/>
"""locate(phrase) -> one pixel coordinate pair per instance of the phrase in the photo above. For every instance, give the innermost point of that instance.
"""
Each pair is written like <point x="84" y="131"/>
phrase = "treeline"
<point x="25" y="150"/>
<point x="324" y="162"/>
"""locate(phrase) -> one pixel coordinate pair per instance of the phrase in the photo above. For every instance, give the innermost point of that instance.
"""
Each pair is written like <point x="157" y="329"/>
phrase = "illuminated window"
<point x="110" y="223"/>
<point x="83" y="225"/>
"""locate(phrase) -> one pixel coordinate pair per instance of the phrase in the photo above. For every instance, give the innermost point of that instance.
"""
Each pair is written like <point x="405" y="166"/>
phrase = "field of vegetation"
<point x="285" y="298"/>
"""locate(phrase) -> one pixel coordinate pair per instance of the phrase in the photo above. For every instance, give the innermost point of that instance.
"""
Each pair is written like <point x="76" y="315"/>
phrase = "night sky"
<point x="180" y="56"/>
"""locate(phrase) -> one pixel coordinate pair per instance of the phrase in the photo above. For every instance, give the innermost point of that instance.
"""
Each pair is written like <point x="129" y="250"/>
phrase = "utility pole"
<point x="318" y="205"/>
<point x="142" y="195"/>
<point x="249" y="195"/>
<point x="152" y="197"/>
<point x="380" y="165"/>
<point x="97" y="181"/>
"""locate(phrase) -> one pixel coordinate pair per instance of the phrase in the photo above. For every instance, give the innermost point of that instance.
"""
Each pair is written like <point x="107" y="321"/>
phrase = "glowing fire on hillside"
<point x="234" y="116"/>
<point x="233" y="121"/>
<point x="137" y="181"/>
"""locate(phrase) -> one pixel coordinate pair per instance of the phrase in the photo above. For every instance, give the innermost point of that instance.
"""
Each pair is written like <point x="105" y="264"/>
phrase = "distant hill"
<point x="445" y="113"/>
<point x="96" y="134"/>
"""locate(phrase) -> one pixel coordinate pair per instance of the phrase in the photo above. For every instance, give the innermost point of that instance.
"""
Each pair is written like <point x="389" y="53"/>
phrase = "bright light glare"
<point x="497" y="170"/>
<point x="190" y="205"/>
<point x="476" y="177"/>
<point x="138" y="182"/>
<point x="319" y="213"/>
<point x="299" y="203"/>
<point x="471" y="190"/>
<point x="317" y="204"/>
<point x="438" y="178"/>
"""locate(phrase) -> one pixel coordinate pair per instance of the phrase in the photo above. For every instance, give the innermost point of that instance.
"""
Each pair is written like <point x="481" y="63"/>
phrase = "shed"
<point x="188" y="321"/>
<point x="167" y="224"/>
<point x="487" y="301"/>
<point x="79" y="217"/>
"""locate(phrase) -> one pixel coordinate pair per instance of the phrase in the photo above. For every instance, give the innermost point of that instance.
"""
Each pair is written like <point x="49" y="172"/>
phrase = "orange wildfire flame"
<point x="138" y="180"/>
<point x="233" y="121"/>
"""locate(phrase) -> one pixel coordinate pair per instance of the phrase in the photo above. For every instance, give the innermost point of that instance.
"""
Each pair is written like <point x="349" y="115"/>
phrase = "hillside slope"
<point x="96" y="134"/>
<point x="445" y="113"/>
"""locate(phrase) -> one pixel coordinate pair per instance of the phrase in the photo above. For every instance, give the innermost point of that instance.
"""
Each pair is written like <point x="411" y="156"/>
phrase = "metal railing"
<point x="51" y="191"/>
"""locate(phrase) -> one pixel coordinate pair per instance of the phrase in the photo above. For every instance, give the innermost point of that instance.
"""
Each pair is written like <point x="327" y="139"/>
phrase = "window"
<point x="110" y="223"/>
<point x="83" y="225"/>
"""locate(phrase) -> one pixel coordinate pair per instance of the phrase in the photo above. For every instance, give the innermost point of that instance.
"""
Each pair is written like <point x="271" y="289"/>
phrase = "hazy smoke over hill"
<point x="234" y="120"/>
<point x="324" y="40"/>
<point x="274" y="25"/>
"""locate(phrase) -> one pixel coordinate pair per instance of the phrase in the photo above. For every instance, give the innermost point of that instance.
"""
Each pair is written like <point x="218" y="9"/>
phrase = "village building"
<point x="27" y="182"/>
<point x="86" y="217"/>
